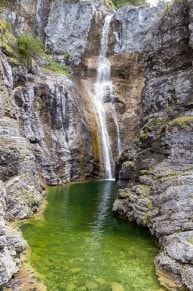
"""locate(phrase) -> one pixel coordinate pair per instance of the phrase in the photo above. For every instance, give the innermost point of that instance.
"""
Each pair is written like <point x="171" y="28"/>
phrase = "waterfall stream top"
<point x="102" y="86"/>
<point x="105" y="35"/>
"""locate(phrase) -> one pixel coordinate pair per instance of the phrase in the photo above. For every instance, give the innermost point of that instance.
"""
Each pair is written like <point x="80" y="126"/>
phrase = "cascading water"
<point x="104" y="91"/>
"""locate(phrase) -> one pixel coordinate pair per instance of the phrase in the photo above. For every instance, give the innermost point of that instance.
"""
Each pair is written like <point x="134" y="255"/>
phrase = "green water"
<point x="79" y="245"/>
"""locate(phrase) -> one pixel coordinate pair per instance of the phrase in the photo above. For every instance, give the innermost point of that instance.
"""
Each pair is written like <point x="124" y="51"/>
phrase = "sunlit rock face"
<point x="155" y="178"/>
<point x="52" y="114"/>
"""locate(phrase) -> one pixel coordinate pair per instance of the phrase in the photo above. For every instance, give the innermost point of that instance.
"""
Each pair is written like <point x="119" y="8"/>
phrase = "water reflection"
<point x="80" y="245"/>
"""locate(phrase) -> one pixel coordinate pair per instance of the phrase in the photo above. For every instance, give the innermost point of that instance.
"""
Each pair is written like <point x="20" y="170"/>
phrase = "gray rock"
<point x="75" y="20"/>
<point x="162" y="159"/>
<point x="131" y="27"/>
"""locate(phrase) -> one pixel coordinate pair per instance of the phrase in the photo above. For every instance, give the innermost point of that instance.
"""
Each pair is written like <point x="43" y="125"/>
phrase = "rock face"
<point x="53" y="118"/>
<point x="131" y="27"/>
<point x="48" y="124"/>
<point x="127" y="67"/>
<point x="75" y="19"/>
<point x="20" y="187"/>
<point x="155" y="178"/>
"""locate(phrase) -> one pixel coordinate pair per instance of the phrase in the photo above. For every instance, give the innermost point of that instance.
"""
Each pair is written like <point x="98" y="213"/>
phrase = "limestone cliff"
<point x="48" y="123"/>
<point x="155" y="177"/>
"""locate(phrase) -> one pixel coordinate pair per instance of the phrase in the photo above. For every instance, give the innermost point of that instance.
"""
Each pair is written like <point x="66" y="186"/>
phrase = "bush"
<point x="119" y="3"/>
<point x="56" y="67"/>
<point x="30" y="46"/>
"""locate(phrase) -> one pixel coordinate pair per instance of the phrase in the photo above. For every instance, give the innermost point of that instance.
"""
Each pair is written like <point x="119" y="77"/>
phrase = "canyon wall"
<point x="49" y="128"/>
<point x="155" y="177"/>
<point x="48" y="124"/>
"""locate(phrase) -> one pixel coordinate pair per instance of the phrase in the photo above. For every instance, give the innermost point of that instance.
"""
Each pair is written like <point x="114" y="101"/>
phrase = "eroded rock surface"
<point x="20" y="188"/>
<point x="155" y="179"/>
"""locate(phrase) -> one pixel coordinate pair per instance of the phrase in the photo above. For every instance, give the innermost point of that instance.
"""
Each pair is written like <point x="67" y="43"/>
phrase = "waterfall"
<point x="104" y="91"/>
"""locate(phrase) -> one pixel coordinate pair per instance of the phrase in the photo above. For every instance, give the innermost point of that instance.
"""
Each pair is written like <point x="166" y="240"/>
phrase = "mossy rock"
<point x="5" y="3"/>
<point x="7" y="41"/>
<point x="181" y="122"/>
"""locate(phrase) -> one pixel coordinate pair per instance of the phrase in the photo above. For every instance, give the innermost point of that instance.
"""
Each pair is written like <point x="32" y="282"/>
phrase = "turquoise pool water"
<point x="78" y="244"/>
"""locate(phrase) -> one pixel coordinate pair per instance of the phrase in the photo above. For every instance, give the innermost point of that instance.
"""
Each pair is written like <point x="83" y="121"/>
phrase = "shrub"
<point x="30" y="46"/>
<point x="8" y="26"/>
<point x="56" y="67"/>
<point x="119" y="3"/>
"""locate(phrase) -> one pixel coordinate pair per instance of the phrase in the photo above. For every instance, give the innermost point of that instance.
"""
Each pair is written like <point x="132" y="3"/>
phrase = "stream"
<point x="79" y="244"/>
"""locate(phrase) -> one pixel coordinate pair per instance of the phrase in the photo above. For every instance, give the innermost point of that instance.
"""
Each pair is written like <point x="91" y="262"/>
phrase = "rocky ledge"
<point x="155" y="177"/>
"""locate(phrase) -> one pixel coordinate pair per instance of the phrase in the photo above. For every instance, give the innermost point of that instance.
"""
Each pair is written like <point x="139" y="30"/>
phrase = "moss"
<point x="147" y="216"/>
<point x="5" y="3"/>
<point x="8" y="44"/>
<point x="124" y="193"/>
<point x="14" y="61"/>
<point x="190" y="240"/>
<point x="127" y="164"/>
<point x="144" y="135"/>
<point x="142" y="190"/>
<point x="152" y="125"/>
<point x="57" y="68"/>
<point x="181" y="122"/>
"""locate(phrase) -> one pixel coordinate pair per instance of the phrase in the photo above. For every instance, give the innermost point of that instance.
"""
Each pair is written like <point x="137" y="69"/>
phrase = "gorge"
<point x="128" y="102"/>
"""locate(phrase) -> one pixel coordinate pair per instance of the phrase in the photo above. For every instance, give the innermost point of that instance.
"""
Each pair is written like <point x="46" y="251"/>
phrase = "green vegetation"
<point x="30" y="47"/>
<point x="147" y="216"/>
<point x="4" y="3"/>
<point x="56" y="67"/>
<point x="7" y="40"/>
<point x="27" y="49"/>
<point x="190" y="240"/>
<point x="119" y="3"/>
<point x="182" y="121"/>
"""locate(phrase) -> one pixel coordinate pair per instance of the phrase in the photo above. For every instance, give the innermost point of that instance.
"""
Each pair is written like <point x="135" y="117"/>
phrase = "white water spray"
<point x="104" y="92"/>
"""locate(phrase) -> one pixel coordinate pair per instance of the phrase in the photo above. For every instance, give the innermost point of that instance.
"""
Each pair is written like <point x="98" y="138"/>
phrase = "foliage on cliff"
<point x="30" y="47"/>
<point x="26" y="50"/>
<point x="119" y="3"/>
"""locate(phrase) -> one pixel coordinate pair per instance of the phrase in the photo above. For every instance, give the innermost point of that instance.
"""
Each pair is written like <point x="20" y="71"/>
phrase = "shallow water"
<point x="79" y="244"/>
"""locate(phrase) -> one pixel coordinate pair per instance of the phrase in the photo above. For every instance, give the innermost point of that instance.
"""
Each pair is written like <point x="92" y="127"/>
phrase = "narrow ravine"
<point x="79" y="244"/>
